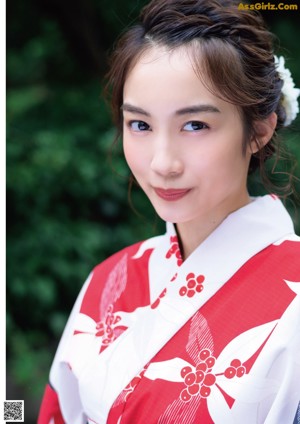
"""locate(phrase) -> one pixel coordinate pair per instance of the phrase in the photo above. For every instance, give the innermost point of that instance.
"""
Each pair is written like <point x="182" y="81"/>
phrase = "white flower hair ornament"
<point x="289" y="91"/>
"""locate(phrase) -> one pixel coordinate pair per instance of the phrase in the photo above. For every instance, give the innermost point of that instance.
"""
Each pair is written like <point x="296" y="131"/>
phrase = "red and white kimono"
<point x="212" y="340"/>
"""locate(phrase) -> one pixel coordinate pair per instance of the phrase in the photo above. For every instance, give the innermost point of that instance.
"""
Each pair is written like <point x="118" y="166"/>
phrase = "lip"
<point x="171" y="194"/>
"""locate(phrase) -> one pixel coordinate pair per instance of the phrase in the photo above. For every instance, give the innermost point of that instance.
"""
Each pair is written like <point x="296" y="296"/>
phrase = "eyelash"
<point x="198" y="123"/>
<point x="148" y="128"/>
<point x="130" y="125"/>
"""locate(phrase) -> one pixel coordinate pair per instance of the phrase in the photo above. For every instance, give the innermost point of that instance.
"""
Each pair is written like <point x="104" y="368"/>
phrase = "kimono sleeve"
<point x="61" y="401"/>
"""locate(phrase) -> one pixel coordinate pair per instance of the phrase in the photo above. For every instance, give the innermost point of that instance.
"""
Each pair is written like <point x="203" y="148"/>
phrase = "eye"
<point x="194" y="126"/>
<point x="139" y="126"/>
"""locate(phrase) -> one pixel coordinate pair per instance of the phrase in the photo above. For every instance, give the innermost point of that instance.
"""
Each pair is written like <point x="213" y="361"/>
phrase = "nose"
<point x="166" y="160"/>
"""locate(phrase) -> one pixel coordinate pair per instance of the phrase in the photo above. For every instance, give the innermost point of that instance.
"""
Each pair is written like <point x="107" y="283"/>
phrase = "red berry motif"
<point x="174" y="250"/>
<point x="199" y="379"/>
<point x="194" y="389"/>
<point x="236" y="369"/>
<point x="230" y="372"/>
<point x="106" y="328"/>
<point x="235" y="363"/>
<point x="185" y="396"/>
<point x="190" y="293"/>
<point x="109" y="319"/>
<point x="240" y="371"/>
<point x="205" y="391"/>
<point x="204" y="354"/>
<point x="182" y="291"/>
<point x="193" y="285"/>
<point x="199" y="288"/>
<point x="201" y="366"/>
<point x="210" y="361"/>
<point x="190" y="379"/>
<point x="185" y="371"/>
<point x="199" y="376"/>
<point x="100" y="329"/>
<point x="209" y="380"/>
<point x="200" y="279"/>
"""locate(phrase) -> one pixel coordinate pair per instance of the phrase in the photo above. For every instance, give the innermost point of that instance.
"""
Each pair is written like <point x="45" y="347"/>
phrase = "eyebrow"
<point x="196" y="109"/>
<point x="134" y="109"/>
<point x="184" y="111"/>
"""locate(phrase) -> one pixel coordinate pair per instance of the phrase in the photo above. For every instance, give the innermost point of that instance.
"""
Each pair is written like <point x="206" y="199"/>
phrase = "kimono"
<point x="213" y="339"/>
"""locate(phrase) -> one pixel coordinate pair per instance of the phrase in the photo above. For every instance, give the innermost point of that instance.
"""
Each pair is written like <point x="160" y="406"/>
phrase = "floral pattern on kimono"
<point x="154" y="339"/>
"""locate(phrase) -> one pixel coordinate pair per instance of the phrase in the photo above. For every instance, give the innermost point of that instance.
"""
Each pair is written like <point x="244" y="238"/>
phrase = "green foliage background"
<point x="67" y="203"/>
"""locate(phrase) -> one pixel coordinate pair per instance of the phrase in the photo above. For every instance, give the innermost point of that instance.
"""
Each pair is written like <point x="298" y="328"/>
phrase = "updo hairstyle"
<point x="237" y="59"/>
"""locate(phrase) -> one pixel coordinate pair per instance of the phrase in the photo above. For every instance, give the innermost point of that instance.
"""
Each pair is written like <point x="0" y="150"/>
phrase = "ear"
<point x="263" y="132"/>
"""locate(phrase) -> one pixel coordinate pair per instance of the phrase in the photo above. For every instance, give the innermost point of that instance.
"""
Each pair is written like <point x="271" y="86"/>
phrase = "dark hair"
<point x="236" y="56"/>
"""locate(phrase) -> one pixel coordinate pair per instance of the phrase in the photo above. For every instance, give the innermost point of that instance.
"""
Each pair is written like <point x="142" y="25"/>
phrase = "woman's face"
<point x="182" y="143"/>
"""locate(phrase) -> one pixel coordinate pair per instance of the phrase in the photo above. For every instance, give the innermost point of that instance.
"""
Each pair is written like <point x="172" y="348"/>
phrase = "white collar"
<point x="240" y="236"/>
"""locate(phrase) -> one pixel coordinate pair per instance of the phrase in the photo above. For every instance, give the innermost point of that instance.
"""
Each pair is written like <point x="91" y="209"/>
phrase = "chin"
<point x="174" y="217"/>
<point x="175" y="212"/>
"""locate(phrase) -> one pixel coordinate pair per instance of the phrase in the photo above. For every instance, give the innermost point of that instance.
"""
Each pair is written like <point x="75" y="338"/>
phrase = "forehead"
<point x="166" y="79"/>
<point x="161" y="68"/>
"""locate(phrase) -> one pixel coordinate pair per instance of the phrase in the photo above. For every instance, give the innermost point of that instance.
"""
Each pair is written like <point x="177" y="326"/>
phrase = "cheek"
<point x="222" y="164"/>
<point x="127" y="151"/>
<point x="134" y="157"/>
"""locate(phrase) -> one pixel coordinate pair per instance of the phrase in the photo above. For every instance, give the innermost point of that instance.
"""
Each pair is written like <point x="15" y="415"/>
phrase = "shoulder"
<point x="282" y="257"/>
<point x="116" y="258"/>
<point x="131" y="257"/>
<point x="285" y="253"/>
<point x="289" y="255"/>
<point x="128" y="252"/>
<point x="288" y="246"/>
<point x="126" y="271"/>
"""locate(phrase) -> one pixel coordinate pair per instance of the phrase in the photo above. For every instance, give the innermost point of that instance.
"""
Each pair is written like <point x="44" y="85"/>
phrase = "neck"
<point x="191" y="234"/>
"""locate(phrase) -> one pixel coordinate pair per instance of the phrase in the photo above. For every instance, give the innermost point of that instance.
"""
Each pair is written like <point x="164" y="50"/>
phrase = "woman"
<point x="201" y="324"/>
